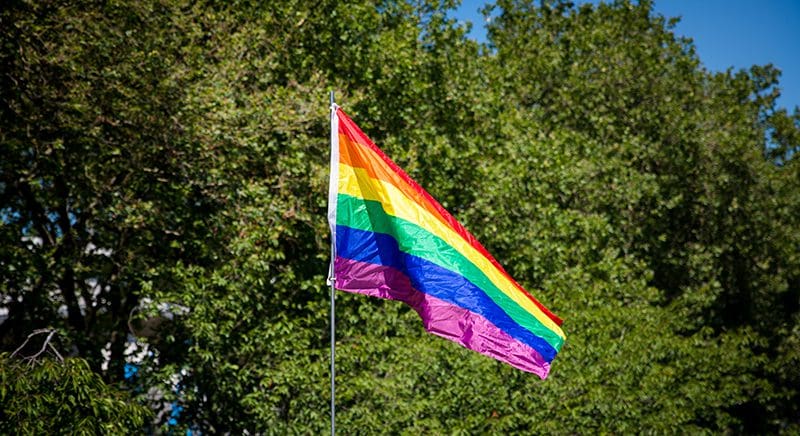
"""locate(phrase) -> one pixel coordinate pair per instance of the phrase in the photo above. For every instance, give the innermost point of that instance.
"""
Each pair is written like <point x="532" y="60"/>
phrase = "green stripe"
<point x="369" y="215"/>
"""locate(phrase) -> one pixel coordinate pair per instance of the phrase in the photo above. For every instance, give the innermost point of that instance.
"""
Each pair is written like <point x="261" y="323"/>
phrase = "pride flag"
<point x="392" y="240"/>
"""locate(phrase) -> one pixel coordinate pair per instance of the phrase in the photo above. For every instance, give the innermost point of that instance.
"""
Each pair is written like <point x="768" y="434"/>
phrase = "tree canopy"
<point x="163" y="187"/>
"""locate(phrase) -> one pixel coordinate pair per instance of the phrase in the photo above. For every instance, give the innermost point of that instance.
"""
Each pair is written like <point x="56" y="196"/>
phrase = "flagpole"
<point x="332" y="280"/>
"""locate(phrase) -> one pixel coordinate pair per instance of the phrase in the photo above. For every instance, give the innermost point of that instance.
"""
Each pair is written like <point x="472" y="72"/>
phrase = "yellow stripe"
<point x="357" y="183"/>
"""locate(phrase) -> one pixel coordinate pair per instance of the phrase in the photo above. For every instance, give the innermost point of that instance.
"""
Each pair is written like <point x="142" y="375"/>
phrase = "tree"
<point x="40" y="395"/>
<point x="677" y="170"/>
<point x="163" y="187"/>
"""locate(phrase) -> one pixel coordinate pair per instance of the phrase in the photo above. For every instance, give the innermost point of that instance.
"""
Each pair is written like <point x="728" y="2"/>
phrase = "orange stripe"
<point x="361" y="157"/>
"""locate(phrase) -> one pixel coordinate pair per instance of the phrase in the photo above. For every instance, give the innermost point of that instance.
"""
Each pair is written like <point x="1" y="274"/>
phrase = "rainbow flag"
<point x="392" y="240"/>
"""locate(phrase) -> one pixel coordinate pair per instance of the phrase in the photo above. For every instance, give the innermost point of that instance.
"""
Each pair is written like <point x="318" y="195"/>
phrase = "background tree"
<point x="43" y="393"/>
<point x="164" y="180"/>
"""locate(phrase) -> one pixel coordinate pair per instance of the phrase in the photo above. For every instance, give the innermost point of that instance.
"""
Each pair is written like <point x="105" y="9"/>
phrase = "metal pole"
<point x="333" y="336"/>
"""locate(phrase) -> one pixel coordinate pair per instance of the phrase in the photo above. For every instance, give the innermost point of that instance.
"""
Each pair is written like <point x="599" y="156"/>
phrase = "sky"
<point x="726" y="33"/>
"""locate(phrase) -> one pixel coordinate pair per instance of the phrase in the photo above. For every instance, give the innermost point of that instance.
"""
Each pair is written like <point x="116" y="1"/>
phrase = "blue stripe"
<point x="427" y="277"/>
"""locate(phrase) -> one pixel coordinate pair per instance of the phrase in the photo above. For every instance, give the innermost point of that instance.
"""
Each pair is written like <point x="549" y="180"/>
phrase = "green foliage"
<point x="163" y="190"/>
<point x="51" y="397"/>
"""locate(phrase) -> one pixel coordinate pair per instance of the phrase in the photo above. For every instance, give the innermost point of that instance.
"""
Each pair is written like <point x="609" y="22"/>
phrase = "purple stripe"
<point x="439" y="317"/>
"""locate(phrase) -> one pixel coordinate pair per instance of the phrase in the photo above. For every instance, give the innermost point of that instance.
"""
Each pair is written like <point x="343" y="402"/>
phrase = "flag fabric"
<point x="392" y="240"/>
